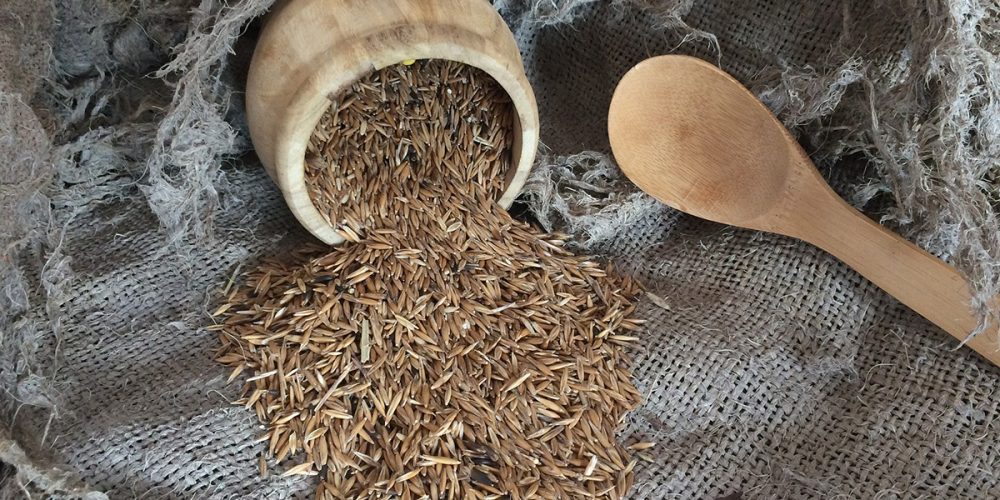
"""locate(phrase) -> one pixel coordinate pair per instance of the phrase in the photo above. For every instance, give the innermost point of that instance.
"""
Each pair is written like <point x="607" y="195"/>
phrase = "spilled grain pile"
<point x="446" y="350"/>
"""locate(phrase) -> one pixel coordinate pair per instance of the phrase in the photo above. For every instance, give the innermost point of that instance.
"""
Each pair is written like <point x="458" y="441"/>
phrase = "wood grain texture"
<point x="695" y="139"/>
<point x="310" y="49"/>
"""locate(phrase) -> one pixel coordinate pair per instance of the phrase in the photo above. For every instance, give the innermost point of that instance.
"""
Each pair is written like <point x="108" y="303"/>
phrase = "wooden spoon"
<point x="694" y="138"/>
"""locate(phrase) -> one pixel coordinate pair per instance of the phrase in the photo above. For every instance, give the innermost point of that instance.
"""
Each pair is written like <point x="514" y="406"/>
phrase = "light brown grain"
<point x="450" y="351"/>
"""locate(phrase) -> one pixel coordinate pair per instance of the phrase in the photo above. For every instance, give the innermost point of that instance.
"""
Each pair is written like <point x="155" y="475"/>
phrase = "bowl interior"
<point x="313" y="100"/>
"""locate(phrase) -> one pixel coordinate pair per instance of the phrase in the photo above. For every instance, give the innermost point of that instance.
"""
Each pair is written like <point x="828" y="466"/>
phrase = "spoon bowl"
<point x="735" y="164"/>
<point x="694" y="138"/>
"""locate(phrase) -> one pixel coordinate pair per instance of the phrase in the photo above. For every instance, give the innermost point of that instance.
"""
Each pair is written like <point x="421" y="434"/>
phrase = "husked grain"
<point x="447" y="350"/>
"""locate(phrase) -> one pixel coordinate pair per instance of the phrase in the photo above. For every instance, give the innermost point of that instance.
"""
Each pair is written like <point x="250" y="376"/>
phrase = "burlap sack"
<point x="769" y="368"/>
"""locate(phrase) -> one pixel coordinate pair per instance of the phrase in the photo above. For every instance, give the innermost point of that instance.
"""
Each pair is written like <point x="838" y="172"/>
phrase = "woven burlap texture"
<point x="769" y="368"/>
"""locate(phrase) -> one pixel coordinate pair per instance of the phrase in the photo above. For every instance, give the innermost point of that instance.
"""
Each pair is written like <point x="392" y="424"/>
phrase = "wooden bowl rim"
<point x="311" y="101"/>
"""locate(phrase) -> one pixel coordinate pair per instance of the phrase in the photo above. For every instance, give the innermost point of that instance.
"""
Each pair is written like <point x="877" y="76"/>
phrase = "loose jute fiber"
<point x="129" y="195"/>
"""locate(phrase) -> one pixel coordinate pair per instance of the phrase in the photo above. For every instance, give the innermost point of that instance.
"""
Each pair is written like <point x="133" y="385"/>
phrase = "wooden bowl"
<point x="311" y="49"/>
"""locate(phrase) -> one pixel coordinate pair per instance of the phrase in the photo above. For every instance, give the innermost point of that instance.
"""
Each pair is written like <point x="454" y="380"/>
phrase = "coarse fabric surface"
<point x="129" y="195"/>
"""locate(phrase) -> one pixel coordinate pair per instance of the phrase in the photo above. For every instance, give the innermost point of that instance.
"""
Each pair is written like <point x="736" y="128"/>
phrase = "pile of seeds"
<point x="450" y="352"/>
<point x="401" y="130"/>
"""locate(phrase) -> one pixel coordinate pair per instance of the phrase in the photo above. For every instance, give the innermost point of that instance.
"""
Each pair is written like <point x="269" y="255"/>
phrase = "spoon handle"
<point x="916" y="278"/>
